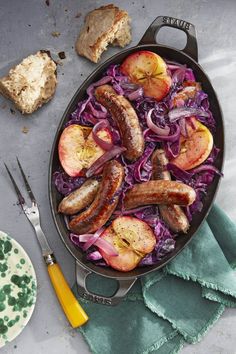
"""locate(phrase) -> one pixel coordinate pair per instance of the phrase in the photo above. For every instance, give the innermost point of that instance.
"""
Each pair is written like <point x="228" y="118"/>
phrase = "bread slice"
<point x="107" y="24"/>
<point x="31" y="83"/>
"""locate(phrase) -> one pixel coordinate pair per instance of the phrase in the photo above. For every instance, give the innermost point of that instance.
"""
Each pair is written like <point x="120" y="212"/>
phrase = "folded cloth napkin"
<point x="171" y="306"/>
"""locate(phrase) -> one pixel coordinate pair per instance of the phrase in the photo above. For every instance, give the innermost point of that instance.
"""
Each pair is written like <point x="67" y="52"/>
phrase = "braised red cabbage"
<point x="163" y="117"/>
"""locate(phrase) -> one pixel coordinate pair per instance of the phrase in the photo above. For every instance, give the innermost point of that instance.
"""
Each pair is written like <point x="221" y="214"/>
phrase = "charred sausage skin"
<point x="126" y="119"/>
<point x="159" y="192"/>
<point x="104" y="203"/>
<point x="173" y="215"/>
<point x="80" y="198"/>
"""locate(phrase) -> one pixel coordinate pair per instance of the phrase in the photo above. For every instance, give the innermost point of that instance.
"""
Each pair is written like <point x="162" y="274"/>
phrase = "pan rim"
<point x="145" y="270"/>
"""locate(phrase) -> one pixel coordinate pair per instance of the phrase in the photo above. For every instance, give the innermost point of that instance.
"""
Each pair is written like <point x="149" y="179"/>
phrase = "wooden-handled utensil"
<point x="73" y="311"/>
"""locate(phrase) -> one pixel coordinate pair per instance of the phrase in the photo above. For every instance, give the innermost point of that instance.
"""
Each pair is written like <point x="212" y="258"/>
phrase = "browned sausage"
<point x="80" y="198"/>
<point x="159" y="192"/>
<point x="173" y="215"/>
<point x="126" y="119"/>
<point x="159" y="162"/>
<point x="104" y="203"/>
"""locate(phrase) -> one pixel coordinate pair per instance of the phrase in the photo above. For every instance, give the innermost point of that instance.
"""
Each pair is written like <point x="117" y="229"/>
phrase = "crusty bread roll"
<point x="107" y="24"/>
<point x="31" y="83"/>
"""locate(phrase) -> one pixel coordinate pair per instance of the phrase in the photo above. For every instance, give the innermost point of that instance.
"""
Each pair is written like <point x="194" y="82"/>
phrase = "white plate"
<point x="18" y="288"/>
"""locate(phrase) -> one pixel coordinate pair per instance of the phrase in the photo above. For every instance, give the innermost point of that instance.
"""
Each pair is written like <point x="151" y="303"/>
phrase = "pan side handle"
<point x="124" y="286"/>
<point x="191" y="48"/>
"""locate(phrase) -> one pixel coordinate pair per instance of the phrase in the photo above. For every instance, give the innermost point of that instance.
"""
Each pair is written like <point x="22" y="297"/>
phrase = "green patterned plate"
<point x="18" y="288"/>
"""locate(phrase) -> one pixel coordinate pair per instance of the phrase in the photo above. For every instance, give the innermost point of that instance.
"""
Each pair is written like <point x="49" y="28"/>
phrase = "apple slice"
<point x="132" y="238"/>
<point x="78" y="150"/>
<point x="190" y="89"/>
<point x="194" y="149"/>
<point x="148" y="70"/>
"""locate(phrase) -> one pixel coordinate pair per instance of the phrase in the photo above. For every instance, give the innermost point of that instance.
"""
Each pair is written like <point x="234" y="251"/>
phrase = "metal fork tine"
<point x="28" y="188"/>
<point x="19" y="195"/>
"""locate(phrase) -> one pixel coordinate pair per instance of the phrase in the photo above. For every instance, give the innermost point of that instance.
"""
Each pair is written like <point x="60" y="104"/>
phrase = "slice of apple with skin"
<point x="194" y="149"/>
<point x="148" y="70"/>
<point x="132" y="238"/>
<point x="78" y="150"/>
<point x="190" y="89"/>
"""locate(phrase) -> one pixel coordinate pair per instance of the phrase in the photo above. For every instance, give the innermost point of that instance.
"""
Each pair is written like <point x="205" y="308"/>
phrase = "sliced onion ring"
<point x="93" y="238"/>
<point x="94" y="256"/>
<point x="173" y="137"/>
<point x="154" y="127"/>
<point x="129" y="86"/>
<point x="183" y="112"/>
<point x="106" y="247"/>
<point x="128" y="212"/>
<point x="132" y="96"/>
<point x="102" y="124"/>
<point x="84" y="237"/>
<point x="104" y="80"/>
<point x="203" y="168"/>
<point x="117" y="150"/>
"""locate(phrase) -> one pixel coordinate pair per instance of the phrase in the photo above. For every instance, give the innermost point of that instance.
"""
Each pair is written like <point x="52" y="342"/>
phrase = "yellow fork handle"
<point x="73" y="311"/>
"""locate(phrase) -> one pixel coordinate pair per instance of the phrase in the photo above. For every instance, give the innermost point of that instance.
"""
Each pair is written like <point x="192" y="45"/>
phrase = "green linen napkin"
<point x="172" y="306"/>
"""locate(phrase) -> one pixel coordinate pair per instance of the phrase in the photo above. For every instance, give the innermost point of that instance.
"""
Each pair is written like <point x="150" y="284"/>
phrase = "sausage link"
<point x="159" y="192"/>
<point x="173" y="215"/>
<point x="159" y="161"/>
<point x="80" y="198"/>
<point x="104" y="203"/>
<point x="126" y="119"/>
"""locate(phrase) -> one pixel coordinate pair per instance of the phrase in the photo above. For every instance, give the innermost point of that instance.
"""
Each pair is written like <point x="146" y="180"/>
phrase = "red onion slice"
<point x="128" y="212"/>
<point x="117" y="150"/>
<point x="183" y="128"/>
<point x="173" y="137"/>
<point x="154" y="127"/>
<point x="184" y="112"/>
<point x="102" y="124"/>
<point x="104" y="80"/>
<point x="135" y="94"/>
<point x="129" y="86"/>
<point x="84" y="237"/>
<point x="204" y="168"/>
<point x="173" y="65"/>
<point x="93" y="238"/>
<point x="94" y="256"/>
<point x="106" y="247"/>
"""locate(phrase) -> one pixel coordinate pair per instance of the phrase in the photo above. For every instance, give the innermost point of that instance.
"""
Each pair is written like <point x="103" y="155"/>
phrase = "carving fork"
<point x="72" y="309"/>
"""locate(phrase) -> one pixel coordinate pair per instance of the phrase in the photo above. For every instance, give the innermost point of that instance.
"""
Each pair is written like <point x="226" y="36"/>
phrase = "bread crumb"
<point x="55" y="34"/>
<point x="25" y="130"/>
<point x="62" y="55"/>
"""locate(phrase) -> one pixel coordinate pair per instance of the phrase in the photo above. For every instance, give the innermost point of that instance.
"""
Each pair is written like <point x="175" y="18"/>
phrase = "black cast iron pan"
<point x="188" y="56"/>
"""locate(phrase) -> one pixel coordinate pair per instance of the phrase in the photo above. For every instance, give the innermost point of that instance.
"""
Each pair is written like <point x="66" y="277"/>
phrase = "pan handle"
<point x="81" y="275"/>
<point x="149" y="36"/>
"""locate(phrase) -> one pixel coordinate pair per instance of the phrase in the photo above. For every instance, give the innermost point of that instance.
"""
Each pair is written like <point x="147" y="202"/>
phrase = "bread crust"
<point x="107" y="24"/>
<point x="31" y="83"/>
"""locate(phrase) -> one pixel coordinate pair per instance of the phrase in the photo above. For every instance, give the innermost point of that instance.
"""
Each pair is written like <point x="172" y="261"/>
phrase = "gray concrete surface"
<point x="25" y="27"/>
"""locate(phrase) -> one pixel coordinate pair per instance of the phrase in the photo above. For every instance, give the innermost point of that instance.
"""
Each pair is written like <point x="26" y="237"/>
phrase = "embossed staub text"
<point x="176" y="22"/>
<point x="97" y="298"/>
